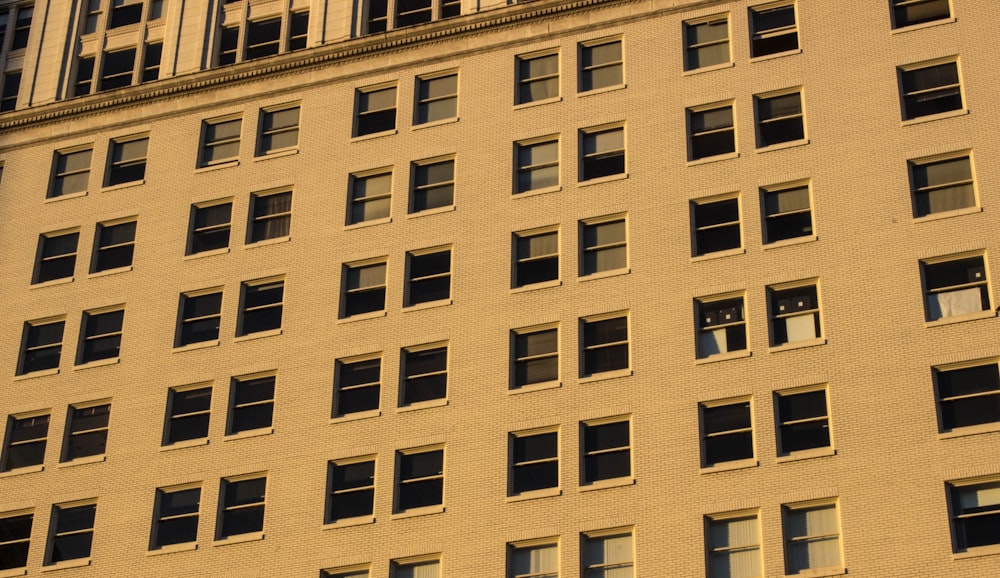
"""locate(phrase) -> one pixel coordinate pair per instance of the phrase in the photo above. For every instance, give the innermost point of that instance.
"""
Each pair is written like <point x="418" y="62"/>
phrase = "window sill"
<point x="796" y="345"/>
<point x="550" y="100"/>
<point x="971" y="430"/>
<point x="960" y="318"/>
<point x="601" y="180"/>
<point x="806" y="455"/>
<point x="729" y="466"/>
<point x="250" y="433"/>
<point x="276" y="154"/>
<point x="922" y="25"/>
<point x="356" y="416"/>
<point x="605" y="274"/>
<point x="534" y="286"/>
<point x="267" y="242"/>
<point x="425" y="511"/>
<point x="61" y="281"/>
<point x="217" y="166"/>
<point x="193" y="346"/>
<point x="348" y="522"/>
<point x="933" y="117"/>
<point x="422" y="405"/>
<point x="713" y="159"/>
<point x="434" y="123"/>
<point x="615" y="373"/>
<point x="535" y="494"/>
<point x="723" y="356"/>
<point x="990" y="550"/>
<point x="719" y="254"/>
<point x="107" y="272"/>
<point x="374" y="135"/>
<point x="120" y="186"/>
<point x="602" y="90"/>
<point x="257" y="335"/>
<point x="185" y="547"/>
<point x="221" y="251"/>
<point x="433" y="211"/>
<point x="185" y="444"/>
<point x="65" y="197"/>
<point x="605" y="484"/>
<point x="783" y="145"/>
<point x="97" y="363"/>
<point x="80" y="562"/>
<point x="13" y="572"/>
<point x="533" y="192"/>
<point x="427" y="305"/>
<point x="818" y="572"/>
<point x="21" y="471"/>
<point x="535" y="387"/>
<point x="83" y="461"/>
<point x="948" y="214"/>
<point x="776" y="55"/>
<point x="39" y="373"/>
<point x="363" y="224"/>
<point x="239" y="539"/>
<point x="362" y="317"/>
<point x="793" y="241"/>
<point x="711" y="68"/>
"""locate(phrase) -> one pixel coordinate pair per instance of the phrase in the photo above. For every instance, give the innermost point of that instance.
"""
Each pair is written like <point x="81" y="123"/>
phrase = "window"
<point x="712" y="131"/>
<point x="536" y="256"/>
<point x="721" y="326"/>
<point x="942" y="184"/>
<point x="803" y="421"/>
<point x="428" y="276"/>
<point x="794" y="314"/>
<point x="15" y="538"/>
<point x="228" y="45"/>
<point x="93" y="12"/>
<point x="201" y="313"/>
<point x="812" y="537"/>
<point x="537" y="77"/>
<point x="419" y="478"/>
<point x="262" y="306"/>
<point x="22" y="27"/>
<point x="605" y="344"/>
<point x="176" y="519"/>
<point x="535" y="559"/>
<point x="116" y="71"/>
<point x="251" y="403"/>
<point x="707" y="42"/>
<point x="608" y="554"/>
<point x="716" y="225"/>
<point x="11" y="87"/>
<point x="84" y="75"/>
<point x="930" y="89"/>
<point x="433" y="185"/>
<point x="537" y="164"/>
<point x="425" y="374"/>
<point x="279" y="129"/>
<point x="270" y="216"/>
<point x="87" y="433"/>
<point x="298" y="30"/>
<point x="787" y="211"/>
<point x="24" y="444"/>
<point x="955" y="286"/>
<point x="975" y="514"/>
<point x="376" y="110"/>
<point x="358" y="384"/>
<point x="371" y="197"/>
<point x="600" y="64"/>
<point x="353" y="572"/>
<point x="536" y="356"/>
<point x="733" y="541"/>
<point x="911" y="12"/>
<point x="968" y="395"/>
<point x="773" y="29"/>
<point x="114" y="246"/>
<point x="534" y="461"/>
<point x="188" y="413"/>
<point x="71" y="172"/>
<point x="263" y="38"/>
<point x="210" y="225"/>
<point x="412" y="12"/>
<point x="101" y="335"/>
<point x="125" y="12"/>
<point x="607" y="453"/>
<point x="220" y="141"/>
<point x="603" y="153"/>
<point x="42" y="346"/>
<point x="779" y="119"/>
<point x="727" y="432"/>
<point x="128" y="160"/>
<point x="407" y="13"/>
<point x="364" y="288"/>
<point x="242" y="501"/>
<point x="151" y="61"/>
<point x="604" y="245"/>
<point x="424" y="568"/>
<point x="72" y="533"/>
<point x="56" y="256"/>
<point x="352" y="489"/>
<point x="437" y="98"/>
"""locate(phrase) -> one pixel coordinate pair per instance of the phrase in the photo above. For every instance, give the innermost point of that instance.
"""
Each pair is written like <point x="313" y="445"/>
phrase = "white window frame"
<point x="599" y="569"/>
<point x="217" y="142"/>
<point x="529" y="547"/>
<point x="159" y="517"/>
<point x="757" y="34"/>
<point x="586" y="348"/>
<point x="514" y="464"/>
<point x="399" y="483"/>
<point x="898" y="23"/>
<point x="973" y="397"/>
<point x="59" y="177"/>
<point x="693" y="113"/>
<point x="245" y="287"/>
<point x="54" y="533"/>
<point x="958" y="516"/>
<point x="796" y="509"/>
<point x="587" y="138"/>
<point x="115" y="168"/>
<point x="902" y="71"/>
<point x="800" y="310"/>
<point x="595" y="249"/>
<point x="70" y="432"/>
<point x="223" y="509"/>
<point x="361" y="114"/>
<point x="588" y="453"/>
<point x="86" y="337"/>
<point x="9" y="443"/>
<point x="173" y="415"/>
<point x="339" y="387"/>
<point x="723" y="552"/>
<point x="704" y="326"/>
<point x="762" y="122"/>
<point x="418" y="188"/>
<point x="742" y="461"/>
<point x="524" y="82"/>
<point x="528" y="260"/>
<point x="690" y="26"/>
<point x="778" y="215"/>
<point x="517" y="360"/>
<point x="823" y="421"/>
<point x="347" y="493"/>
<point x="916" y="166"/>
<point x="700" y="229"/>
<point x="528" y="169"/>
<point x="583" y="71"/>
<point x="350" y="292"/>
<point x="264" y="133"/>
<point x="253" y="218"/>
<point x="105" y="249"/>
<point x="422" y="106"/>
<point x="358" y="185"/>
<point x="936" y="311"/>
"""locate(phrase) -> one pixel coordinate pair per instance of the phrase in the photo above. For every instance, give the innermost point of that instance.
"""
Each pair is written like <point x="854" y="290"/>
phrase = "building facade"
<point x="426" y="288"/>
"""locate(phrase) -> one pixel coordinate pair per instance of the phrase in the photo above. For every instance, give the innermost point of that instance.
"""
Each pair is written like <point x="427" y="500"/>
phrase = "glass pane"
<point x="191" y="400"/>
<point x="130" y="150"/>
<point x="439" y="87"/>
<point x="537" y="154"/>
<point x="598" y="142"/>
<point x="724" y="418"/>
<point x="254" y="390"/>
<point x="708" y="32"/>
<point x="245" y="492"/>
<point x="180" y="502"/>
<point x="421" y="465"/>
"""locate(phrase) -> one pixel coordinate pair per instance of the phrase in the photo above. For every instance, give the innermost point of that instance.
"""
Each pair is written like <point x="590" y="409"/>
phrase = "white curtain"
<point x="951" y="303"/>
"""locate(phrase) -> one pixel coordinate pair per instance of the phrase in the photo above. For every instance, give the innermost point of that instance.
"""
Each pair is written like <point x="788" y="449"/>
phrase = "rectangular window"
<point x="608" y="554"/>
<point x="364" y="288"/>
<point x="930" y="89"/>
<point x="352" y="489"/>
<point x="376" y="110"/>
<point x="605" y="344"/>
<point x="220" y="141"/>
<point x="537" y="164"/>
<point x="116" y="69"/>
<point x="423" y="568"/>
<point x="87" y="432"/>
<point x="22" y="27"/>
<point x="101" y="335"/>
<point x="433" y="185"/>
<point x="210" y="224"/>
<point x="242" y="506"/>
<point x="114" y="246"/>
<point x="803" y="421"/>
<point x="270" y="216"/>
<point x="15" y="538"/>
<point x="604" y="243"/>
<point x="84" y="75"/>
<point x="261" y="308"/>
<point x="602" y="153"/>
<point x="72" y="533"/>
<point x="128" y="160"/>
<point x="92" y="14"/>
<point x="56" y="256"/>
<point x="425" y="375"/>
<point x="733" y="542"/>
<point x="975" y="514"/>
<point x="228" y="45"/>
<point x="419" y="478"/>
<point x="251" y="403"/>
<point x="534" y="461"/>
<point x="151" y="61"/>
<point x="24" y="444"/>
<point x="188" y="413"/>
<point x="812" y="537"/>
<point x="428" y="276"/>
<point x="358" y="386"/>
<point x="536" y="257"/>
<point x="371" y="197"/>
<point x="712" y="131"/>
<point x="968" y="396"/>
<point x="437" y="98"/>
<point x="773" y="29"/>
<point x="42" y="346"/>
<point x="716" y="225"/>
<point x="955" y="286"/>
<point x="779" y="119"/>
<point x="794" y="314"/>
<point x="413" y="12"/>
<point x="942" y="184"/>
<point x="71" y="173"/>
<point x="125" y="12"/>
<point x="201" y="314"/>
<point x="176" y="519"/>
<point x="706" y="42"/>
<point x="787" y="211"/>
<point x="727" y="432"/>
<point x="607" y="451"/>
<point x="11" y="87"/>
<point x="721" y="326"/>
<point x="279" y="130"/>
<point x="537" y="77"/>
<point x="263" y="38"/>
<point x="298" y="30"/>
<point x="600" y="64"/>
<point x="536" y="356"/>
<point x="912" y="12"/>
<point x="534" y="559"/>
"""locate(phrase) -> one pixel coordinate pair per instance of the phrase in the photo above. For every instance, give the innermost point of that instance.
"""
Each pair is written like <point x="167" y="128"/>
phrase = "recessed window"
<point x="228" y="47"/>
<point x="15" y="539"/>
<point x="955" y="286"/>
<point x="706" y="42"/>
<point x="721" y="326"/>
<point x="279" y="129"/>
<point x="176" y="517"/>
<point x="352" y="489"/>
<point x="376" y="110"/>
<point x="433" y="185"/>
<point x="87" y="431"/>
<point x="24" y="444"/>
<point x="210" y="225"/>
<point x="270" y="216"/>
<point x="537" y="77"/>
<point x="128" y="160"/>
<point x="114" y="246"/>
<point x="364" y="288"/>
<point x="608" y="554"/>
<point x="188" y="414"/>
<point x="262" y="306"/>
<point x="251" y="403"/>
<point x="220" y="141"/>
<point x="125" y="12"/>
<point x="716" y="225"/>
<point x="733" y="543"/>
<point x="84" y="75"/>
<point x="101" y="335"/>
<point x="600" y="64"/>
<point x="413" y="12"/>
<point x="912" y="12"/>
<point x="787" y="212"/>
<point x="201" y="314"/>
<point x="602" y="153"/>
<point x="72" y="533"/>
<point x="116" y="70"/>
<point x="930" y="89"/>
<point x="425" y="375"/>
<point x="968" y="396"/>
<point x="812" y="537"/>
<point x="41" y="346"/>
<point x="56" y="256"/>
<point x="536" y="356"/>
<point x="11" y="87"/>
<point x="803" y="421"/>
<point x="437" y="98"/>
<point x="537" y="165"/>
<point x="419" y="478"/>
<point x="942" y="184"/>
<point x="71" y="173"/>
<point x="242" y="506"/>
<point x="423" y="568"/>
<point x="773" y="29"/>
<point x="534" y="461"/>
<point x="975" y="514"/>
<point x="604" y="244"/>
<point x="358" y="385"/>
<point x="371" y="196"/>
<point x="428" y="276"/>
<point x="794" y="314"/>
<point x="605" y="344"/>
<point x="263" y="38"/>
<point x="22" y="27"/>
<point x="151" y="61"/>
<point x="779" y="119"/>
<point x="298" y="30"/>
<point x="727" y="432"/>
<point x="536" y="257"/>
<point x="533" y="559"/>
<point x="712" y="132"/>
<point x="607" y="449"/>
